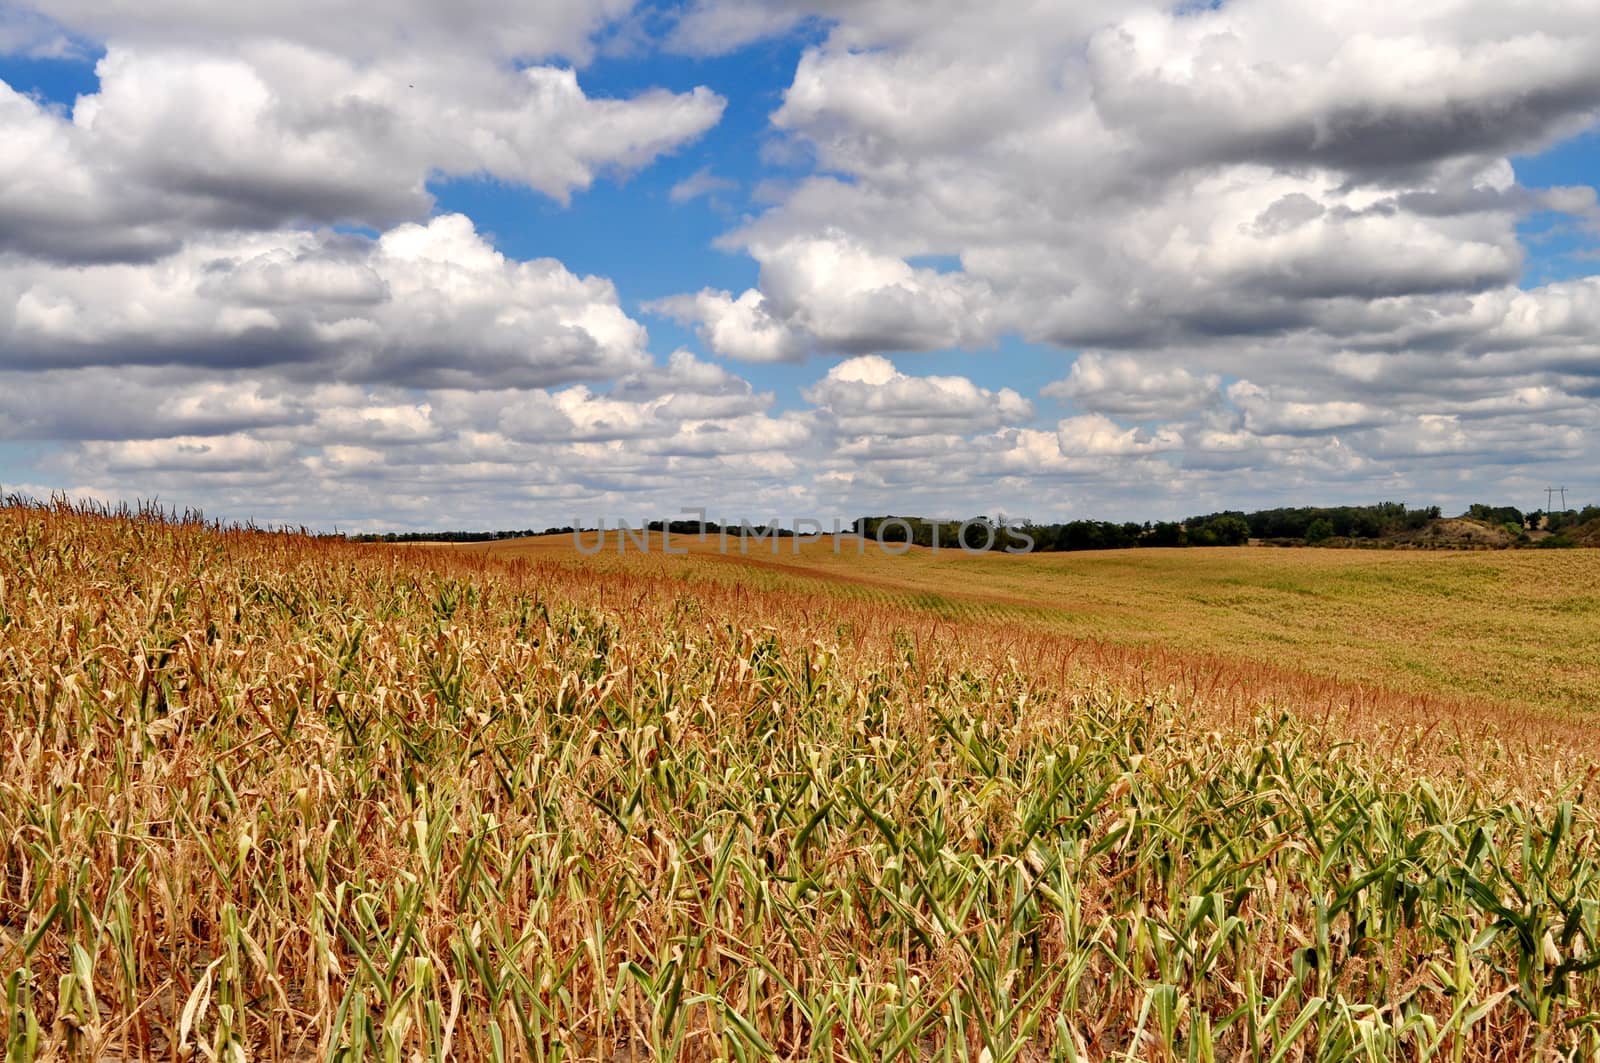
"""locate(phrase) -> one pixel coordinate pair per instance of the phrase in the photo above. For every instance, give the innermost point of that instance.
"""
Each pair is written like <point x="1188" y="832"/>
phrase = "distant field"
<point x="1519" y="628"/>
<point x="270" y="797"/>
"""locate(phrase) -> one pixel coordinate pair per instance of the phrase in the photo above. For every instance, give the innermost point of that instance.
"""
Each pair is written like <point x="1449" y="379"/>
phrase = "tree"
<point x="1165" y="533"/>
<point x="1495" y="514"/>
<point x="1320" y="531"/>
<point x="1231" y="530"/>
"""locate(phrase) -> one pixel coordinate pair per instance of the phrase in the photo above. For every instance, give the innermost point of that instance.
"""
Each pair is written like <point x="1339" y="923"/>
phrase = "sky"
<point x="482" y="265"/>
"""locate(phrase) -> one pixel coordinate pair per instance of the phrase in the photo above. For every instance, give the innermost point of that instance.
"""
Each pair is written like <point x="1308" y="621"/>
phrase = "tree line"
<point x="1292" y="525"/>
<point x="673" y="527"/>
<point x="1284" y="525"/>
<point x="1227" y="528"/>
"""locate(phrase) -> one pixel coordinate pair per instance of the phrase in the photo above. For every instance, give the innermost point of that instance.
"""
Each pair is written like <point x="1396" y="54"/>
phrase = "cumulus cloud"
<point x="1318" y="204"/>
<point x="1097" y="435"/>
<point x="30" y="34"/>
<point x="686" y="406"/>
<point x="353" y="418"/>
<point x="854" y="300"/>
<point x="832" y="293"/>
<point x="55" y="203"/>
<point x="684" y="374"/>
<point x="1266" y="413"/>
<point x="867" y="395"/>
<point x="577" y="415"/>
<point x="229" y="455"/>
<point x="1286" y="244"/>
<point x="1144" y="179"/>
<point x="1120" y="385"/>
<point x="180" y="141"/>
<point x="741" y="328"/>
<point x="504" y="31"/>
<point x="716" y="27"/>
<point x="1450" y="437"/>
<point x="260" y="445"/>
<point x="423" y="305"/>
<point x="1361" y="89"/>
<point x="138" y="404"/>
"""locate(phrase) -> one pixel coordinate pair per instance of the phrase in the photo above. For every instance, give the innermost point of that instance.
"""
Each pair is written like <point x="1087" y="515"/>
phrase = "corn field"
<point x="265" y="796"/>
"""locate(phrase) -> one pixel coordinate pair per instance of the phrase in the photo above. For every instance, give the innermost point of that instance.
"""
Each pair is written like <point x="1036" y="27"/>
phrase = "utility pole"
<point x="1550" y="498"/>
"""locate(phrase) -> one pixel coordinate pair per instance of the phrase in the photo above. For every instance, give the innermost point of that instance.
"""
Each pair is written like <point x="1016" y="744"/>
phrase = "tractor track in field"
<point x="899" y="591"/>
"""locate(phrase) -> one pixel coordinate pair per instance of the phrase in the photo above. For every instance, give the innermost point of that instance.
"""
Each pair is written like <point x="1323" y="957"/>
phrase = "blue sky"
<point x="1084" y="265"/>
<point x="1559" y="249"/>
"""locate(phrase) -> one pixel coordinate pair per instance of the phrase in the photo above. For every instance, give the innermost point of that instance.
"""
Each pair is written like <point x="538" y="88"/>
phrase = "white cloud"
<point x="1268" y="414"/>
<point x="371" y="420"/>
<point x="579" y="416"/>
<point x="741" y="328"/>
<point x="684" y="374"/>
<point x="229" y="455"/>
<point x="684" y="400"/>
<point x="427" y="305"/>
<point x="1281" y="239"/>
<point x="1449" y="436"/>
<point x="503" y="31"/>
<point x="1120" y="384"/>
<point x="1141" y="178"/>
<point x="715" y="27"/>
<point x="701" y="184"/>
<point x="1096" y="435"/>
<point x="866" y="395"/>
<point x="1360" y="87"/>
<point x="781" y="438"/>
<point x="177" y="142"/>
<point x="29" y="34"/>
<point x="1316" y="202"/>
<point x="140" y="403"/>
<point x="854" y="300"/>
<point x="832" y="293"/>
